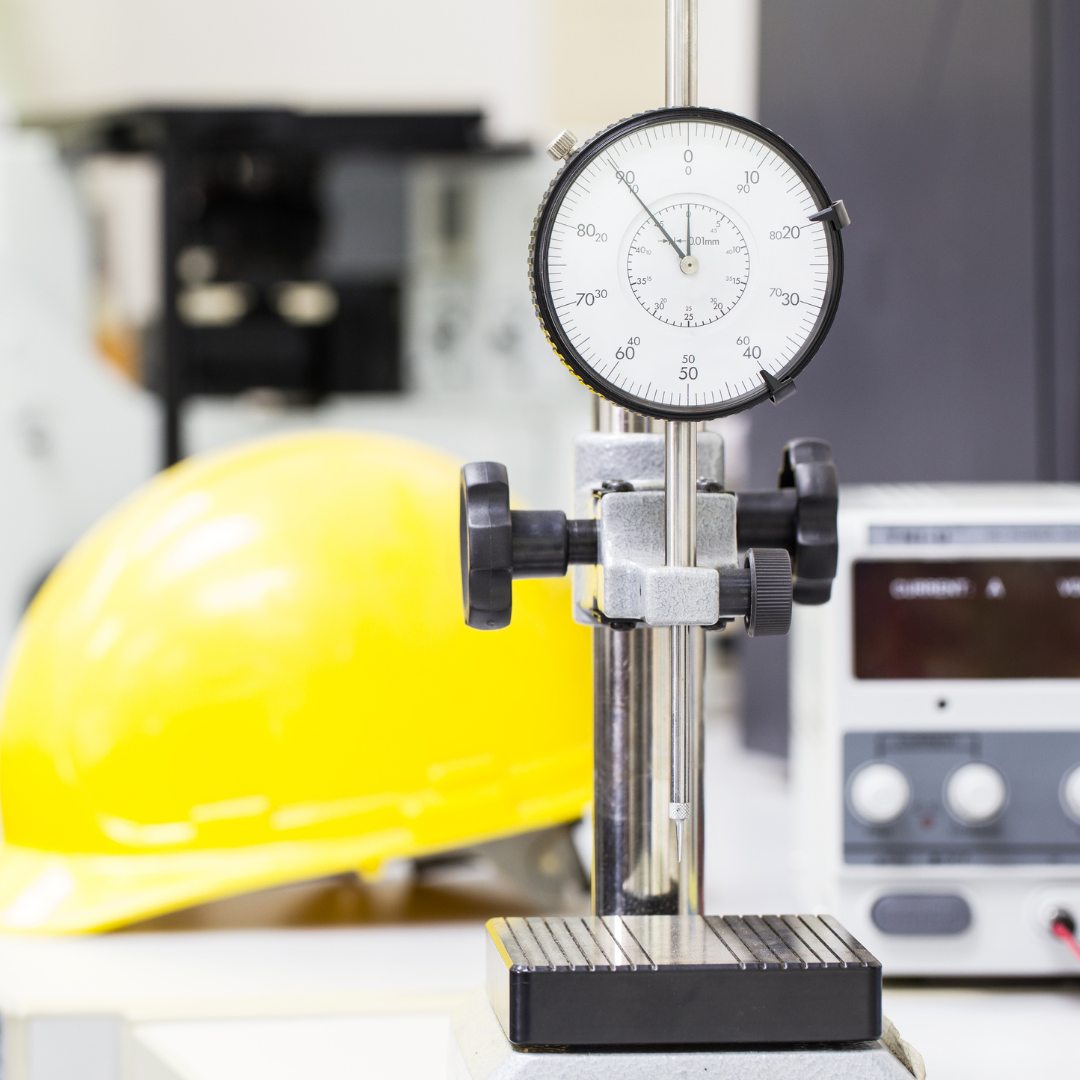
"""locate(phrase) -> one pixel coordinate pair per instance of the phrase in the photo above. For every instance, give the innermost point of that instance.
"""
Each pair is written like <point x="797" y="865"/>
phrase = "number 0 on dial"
<point x="675" y="266"/>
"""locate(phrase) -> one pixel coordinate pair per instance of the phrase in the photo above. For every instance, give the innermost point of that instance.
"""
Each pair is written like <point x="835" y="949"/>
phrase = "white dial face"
<point x="681" y="264"/>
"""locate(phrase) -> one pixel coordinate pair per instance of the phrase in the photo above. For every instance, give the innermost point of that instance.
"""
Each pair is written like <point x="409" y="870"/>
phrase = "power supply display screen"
<point x="971" y="619"/>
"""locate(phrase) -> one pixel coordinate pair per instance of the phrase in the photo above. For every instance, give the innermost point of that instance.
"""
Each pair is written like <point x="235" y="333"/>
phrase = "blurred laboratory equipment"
<point x="338" y="271"/>
<point x="936" y="728"/>
<point x="273" y="246"/>
<point x="266" y="270"/>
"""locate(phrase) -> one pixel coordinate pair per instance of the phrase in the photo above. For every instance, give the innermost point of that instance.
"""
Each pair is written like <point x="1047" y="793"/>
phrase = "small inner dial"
<point x="688" y="264"/>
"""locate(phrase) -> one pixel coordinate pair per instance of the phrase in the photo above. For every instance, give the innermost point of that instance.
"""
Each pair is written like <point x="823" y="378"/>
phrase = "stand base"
<point x="653" y="981"/>
<point x="480" y="1051"/>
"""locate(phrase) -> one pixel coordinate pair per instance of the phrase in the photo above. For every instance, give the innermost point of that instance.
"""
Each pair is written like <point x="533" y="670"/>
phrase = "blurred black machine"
<point x="280" y="251"/>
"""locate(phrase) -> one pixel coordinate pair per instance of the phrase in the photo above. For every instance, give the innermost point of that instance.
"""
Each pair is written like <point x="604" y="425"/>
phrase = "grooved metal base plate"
<point x="479" y="1050"/>
<point x="670" y="980"/>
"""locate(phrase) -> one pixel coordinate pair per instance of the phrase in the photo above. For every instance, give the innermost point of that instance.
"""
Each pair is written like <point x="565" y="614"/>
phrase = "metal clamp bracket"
<point x="632" y="581"/>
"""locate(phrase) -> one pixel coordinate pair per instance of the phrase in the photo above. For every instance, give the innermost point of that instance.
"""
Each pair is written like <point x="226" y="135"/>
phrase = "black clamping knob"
<point x="809" y="468"/>
<point x="770" y="592"/>
<point x="800" y="516"/>
<point x="487" y="550"/>
<point x="499" y="544"/>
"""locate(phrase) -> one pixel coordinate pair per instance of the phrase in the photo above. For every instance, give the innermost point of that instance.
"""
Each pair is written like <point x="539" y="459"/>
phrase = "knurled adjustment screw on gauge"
<point x="562" y="146"/>
<point x="809" y="469"/>
<point x="499" y="544"/>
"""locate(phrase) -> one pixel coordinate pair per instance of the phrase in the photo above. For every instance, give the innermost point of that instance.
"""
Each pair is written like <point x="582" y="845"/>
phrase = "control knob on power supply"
<point x="1070" y="793"/>
<point x="879" y="793"/>
<point x="975" y="793"/>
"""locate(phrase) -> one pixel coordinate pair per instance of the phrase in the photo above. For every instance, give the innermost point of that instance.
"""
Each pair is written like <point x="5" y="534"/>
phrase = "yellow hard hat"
<point x="256" y="671"/>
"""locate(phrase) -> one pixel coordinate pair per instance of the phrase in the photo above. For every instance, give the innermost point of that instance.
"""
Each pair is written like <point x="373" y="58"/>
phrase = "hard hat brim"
<point x="255" y="673"/>
<point x="49" y="893"/>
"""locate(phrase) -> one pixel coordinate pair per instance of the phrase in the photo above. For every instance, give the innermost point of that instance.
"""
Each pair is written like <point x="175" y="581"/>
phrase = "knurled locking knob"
<point x="499" y="544"/>
<point x="770" y="592"/>
<point x="809" y="468"/>
<point x="799" y="516"/>
<point x="487" y="550"/>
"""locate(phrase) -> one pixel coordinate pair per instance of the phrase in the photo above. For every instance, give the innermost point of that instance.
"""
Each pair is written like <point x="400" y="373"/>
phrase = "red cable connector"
<point x="1063" y="927"/>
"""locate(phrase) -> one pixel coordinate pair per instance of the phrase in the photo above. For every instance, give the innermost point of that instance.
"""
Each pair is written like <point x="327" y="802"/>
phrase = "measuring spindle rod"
<point x="682" y="52"/>
<point x="680" y="458"/>
<point x="680" y="519"/>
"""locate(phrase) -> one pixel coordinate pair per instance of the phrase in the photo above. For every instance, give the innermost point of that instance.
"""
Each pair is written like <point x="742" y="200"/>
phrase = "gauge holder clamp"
<point x="757" y="551"/>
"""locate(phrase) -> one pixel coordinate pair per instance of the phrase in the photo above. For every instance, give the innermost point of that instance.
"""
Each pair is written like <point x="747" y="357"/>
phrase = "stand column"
<point x="634" y="866"/>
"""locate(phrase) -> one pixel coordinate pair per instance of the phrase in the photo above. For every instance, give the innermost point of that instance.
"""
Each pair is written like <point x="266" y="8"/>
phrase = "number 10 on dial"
<point x="686" y="263"/>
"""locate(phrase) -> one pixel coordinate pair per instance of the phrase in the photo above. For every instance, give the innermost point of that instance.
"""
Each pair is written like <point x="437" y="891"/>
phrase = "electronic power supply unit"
<point x="936" y="729"/>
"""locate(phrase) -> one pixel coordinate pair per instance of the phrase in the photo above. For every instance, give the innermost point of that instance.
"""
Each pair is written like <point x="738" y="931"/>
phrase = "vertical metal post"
<point x="680" y="514"/>
<point x="648" y="683"/>
<point x="682" y="52"/>
<point x="634" y="870"/>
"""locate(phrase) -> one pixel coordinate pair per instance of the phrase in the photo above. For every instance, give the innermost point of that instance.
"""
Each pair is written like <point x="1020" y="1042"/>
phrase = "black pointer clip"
<point x="778" y="388"/>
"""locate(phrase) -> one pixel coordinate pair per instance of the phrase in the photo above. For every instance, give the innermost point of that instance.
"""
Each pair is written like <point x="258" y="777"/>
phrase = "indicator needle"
<point x="688" y="263"/>
<point x="620" y="176"/>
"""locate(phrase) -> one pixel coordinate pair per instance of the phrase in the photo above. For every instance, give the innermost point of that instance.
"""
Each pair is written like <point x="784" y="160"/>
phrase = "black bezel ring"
<point x="541" y="238"/>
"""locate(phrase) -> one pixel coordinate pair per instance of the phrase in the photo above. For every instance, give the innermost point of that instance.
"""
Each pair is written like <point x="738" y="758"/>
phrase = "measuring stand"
<point x="685" y="264"/>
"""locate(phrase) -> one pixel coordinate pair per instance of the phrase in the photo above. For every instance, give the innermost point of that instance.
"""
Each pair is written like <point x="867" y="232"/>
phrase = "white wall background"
<point x="533" y="67"/>
<point x="75" y="437"/>
<point x="529" y="64"/>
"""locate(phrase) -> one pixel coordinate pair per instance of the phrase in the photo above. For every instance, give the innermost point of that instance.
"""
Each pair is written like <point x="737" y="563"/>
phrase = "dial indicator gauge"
<point x="675" y="267"/>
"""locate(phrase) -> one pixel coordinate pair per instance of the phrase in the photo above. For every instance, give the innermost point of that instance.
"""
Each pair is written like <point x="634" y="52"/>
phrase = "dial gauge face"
<point x="675" y="267"/>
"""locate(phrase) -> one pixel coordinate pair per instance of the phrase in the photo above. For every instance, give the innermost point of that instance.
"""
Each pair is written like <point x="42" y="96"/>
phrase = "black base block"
<point x="670" y="980"/>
